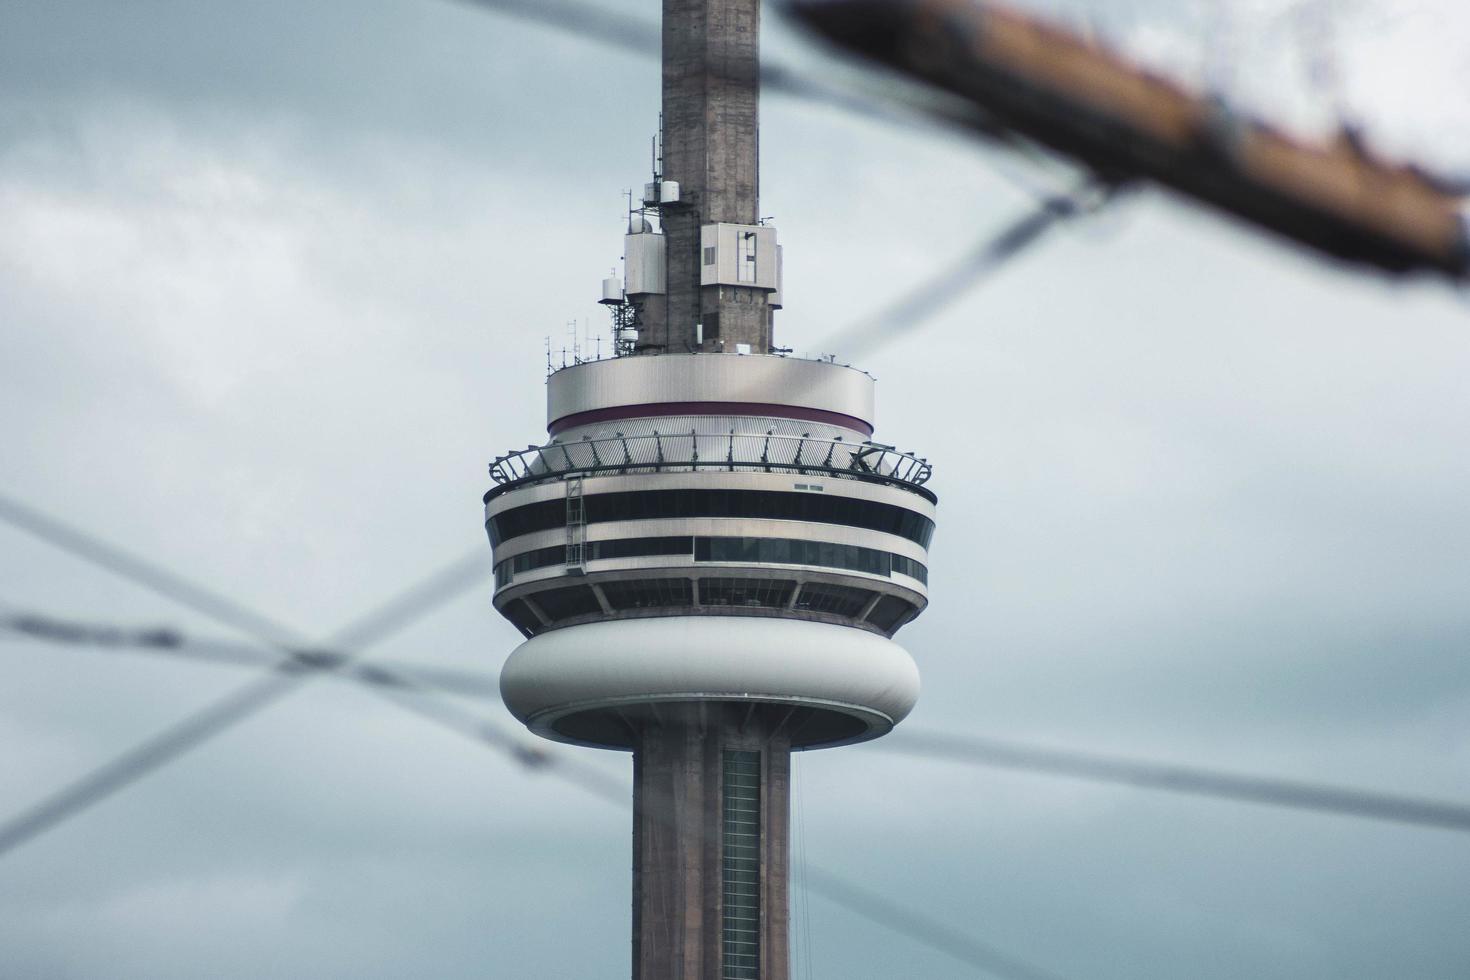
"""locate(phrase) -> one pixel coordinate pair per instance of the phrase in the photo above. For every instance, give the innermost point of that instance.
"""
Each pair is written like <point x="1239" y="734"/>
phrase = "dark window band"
<point x="771" y="593"/>
<point x="814" y="508"/>
<point x="789" y="551"/>
<point x="640" y="547"/>
<point x="506" y="570"/>
<point x="886" y="613"/>
<point x="540" y="558"/>
<point x="911" y="568"/>
<point x="750" y="551"/>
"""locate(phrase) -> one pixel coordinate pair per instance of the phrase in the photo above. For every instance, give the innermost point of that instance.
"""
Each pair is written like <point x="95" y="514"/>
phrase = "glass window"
<point x="521" y="617"/>
<point x="526" y="519"/>
<point x="740" y="864"/>
<point x="505" y="571"/>
<point x="575" y="600"/>
<point x="771" y="504"/>
<point x="911" y="568"/>
<point x="641" y="547"/>
<point x="889" y="613"/>
<point x="745" y="252"/>
<point x="838" y="599"/>
<point x="770" y="593"/>
<point x="790" y="551"/>
<point x="648" y="593"/>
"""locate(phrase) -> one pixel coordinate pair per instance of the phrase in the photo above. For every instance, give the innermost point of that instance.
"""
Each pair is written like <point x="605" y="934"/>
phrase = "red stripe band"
<point x="664" y="409"/>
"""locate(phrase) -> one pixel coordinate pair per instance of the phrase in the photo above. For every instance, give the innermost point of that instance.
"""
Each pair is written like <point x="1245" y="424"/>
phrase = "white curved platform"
<point x="709" y="384"/>
<point x="579" y="684"/>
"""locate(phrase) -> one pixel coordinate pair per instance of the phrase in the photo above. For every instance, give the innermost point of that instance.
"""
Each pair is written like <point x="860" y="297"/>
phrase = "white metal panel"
<point x="716" y="527"/>
<point x="643" y="263"/>
<point x="774" y="300"/>
<point x="682" y="658"/>
<point x="716" y="425"/>
<point x="764" y="380"/>
<point x="722" y="247"/>
<point x="766" y="257"/>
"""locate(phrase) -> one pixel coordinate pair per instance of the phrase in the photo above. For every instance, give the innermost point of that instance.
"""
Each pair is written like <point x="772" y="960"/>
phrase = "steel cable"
<point x="295" y="669"/>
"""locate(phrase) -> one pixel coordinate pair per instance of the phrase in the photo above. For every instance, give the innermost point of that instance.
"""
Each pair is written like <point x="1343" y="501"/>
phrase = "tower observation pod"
<point x="710" y="555"/>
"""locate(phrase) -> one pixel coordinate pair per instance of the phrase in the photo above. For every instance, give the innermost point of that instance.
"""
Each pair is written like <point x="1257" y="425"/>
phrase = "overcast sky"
<point x="275" y="280"/>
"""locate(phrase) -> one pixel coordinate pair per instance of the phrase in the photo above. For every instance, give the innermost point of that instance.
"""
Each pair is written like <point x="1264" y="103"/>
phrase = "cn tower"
<point x="710" y="556"/>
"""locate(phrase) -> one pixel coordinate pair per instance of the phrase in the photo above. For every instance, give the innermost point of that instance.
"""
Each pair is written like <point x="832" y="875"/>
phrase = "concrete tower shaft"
<point x="711" y="115"/>
<point x="711" y="790"/>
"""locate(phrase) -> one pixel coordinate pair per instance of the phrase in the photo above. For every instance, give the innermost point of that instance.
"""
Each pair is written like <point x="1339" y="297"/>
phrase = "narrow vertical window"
<point x="741" y="868"/>
<point x="745" y="254"/>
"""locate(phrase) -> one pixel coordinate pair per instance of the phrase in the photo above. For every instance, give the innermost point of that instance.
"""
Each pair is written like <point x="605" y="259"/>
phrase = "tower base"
<point x="711" y="807"/>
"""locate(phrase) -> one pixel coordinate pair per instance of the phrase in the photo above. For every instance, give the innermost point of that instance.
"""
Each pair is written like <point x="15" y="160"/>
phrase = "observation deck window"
<point x="771" y="593"/>
<point x="528" y="561"/>
<point x="640" y="547"/>
<point x="841" y="600"/>
<point x="749" y="551"/>
<point x="648" y="593"/>
<point x="790" y="551"/>
<point x="911" y="568"/>
<point x="889" y="612"/>
<point x="521" y="617"/>
<point x="811" y="508"/>
<point x="575" y="600"/>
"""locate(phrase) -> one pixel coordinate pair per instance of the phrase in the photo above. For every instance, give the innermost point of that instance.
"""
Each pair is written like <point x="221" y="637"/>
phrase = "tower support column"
<point x="711" y="798"/>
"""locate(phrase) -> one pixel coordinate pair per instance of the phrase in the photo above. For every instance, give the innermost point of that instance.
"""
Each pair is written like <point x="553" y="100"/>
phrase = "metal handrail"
<point x="682" y="452"/>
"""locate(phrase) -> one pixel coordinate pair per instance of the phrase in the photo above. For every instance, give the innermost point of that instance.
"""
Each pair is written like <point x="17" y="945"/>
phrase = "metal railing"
<point x="687" y="451"/>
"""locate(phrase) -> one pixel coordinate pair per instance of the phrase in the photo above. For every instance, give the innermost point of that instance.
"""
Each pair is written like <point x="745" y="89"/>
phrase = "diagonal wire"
<point x="637" y="35"/>
<point x="904" y="105"/>
<point x="836" y="889"/>
<point x="290" y="673"/>
<point x="144" y="758"/>
<point x="589" y="21"/>
<point x="905" y="921"/>
<point x="974" y="750"/>
<point x="174" y="644"/>
<point x="468" y="724"/>
<point x="300" y="665"/>
<point x="1195" y="780"/>
<point x="526" y="752"/>
<point x="948" y="747"/>
<point x="933" y="295"/>
<point x="92" y="549"/>
<point x="410" y="605"/>
<point x="197" y="728"/>
<point x="907" y="106"/>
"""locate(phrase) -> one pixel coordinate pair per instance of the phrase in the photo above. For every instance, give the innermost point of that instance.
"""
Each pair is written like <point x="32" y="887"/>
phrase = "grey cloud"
<point x="273" y="288"/>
